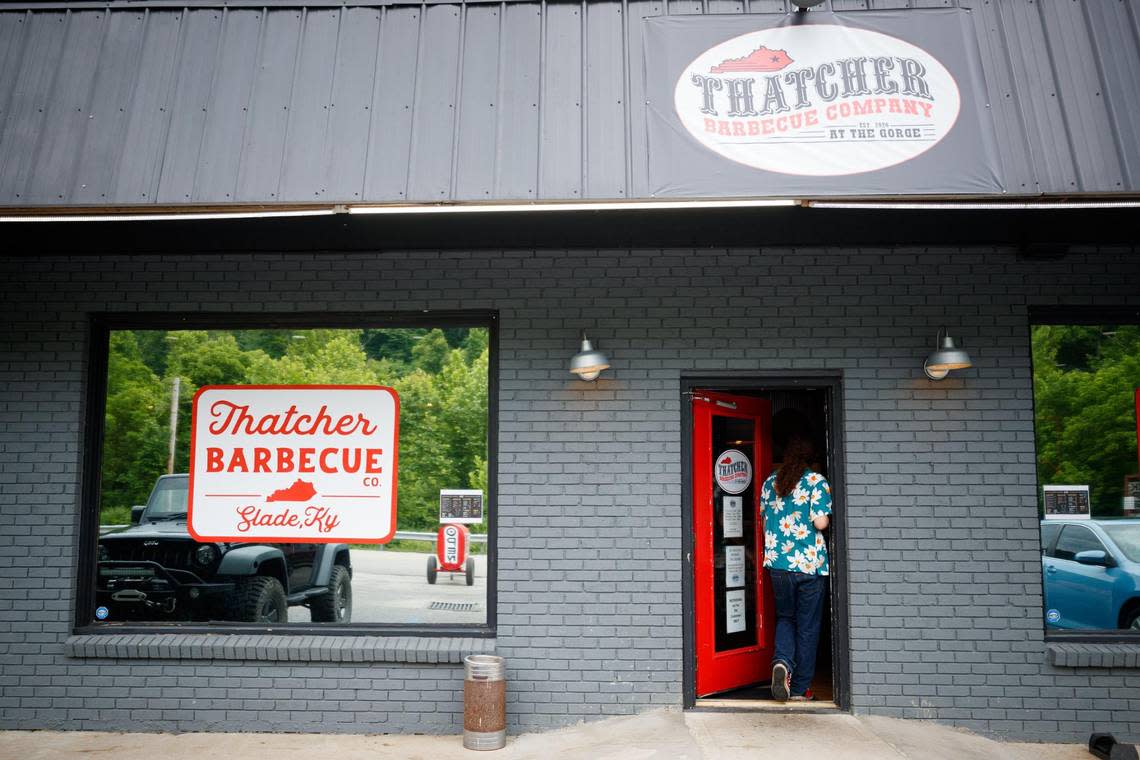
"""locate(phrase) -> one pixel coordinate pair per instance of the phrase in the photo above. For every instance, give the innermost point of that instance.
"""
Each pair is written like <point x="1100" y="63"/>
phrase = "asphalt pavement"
<point x="392" y="587"/>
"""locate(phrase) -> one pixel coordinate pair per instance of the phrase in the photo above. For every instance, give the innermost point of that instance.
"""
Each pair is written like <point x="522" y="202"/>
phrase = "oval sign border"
<point x="696" y="135"/>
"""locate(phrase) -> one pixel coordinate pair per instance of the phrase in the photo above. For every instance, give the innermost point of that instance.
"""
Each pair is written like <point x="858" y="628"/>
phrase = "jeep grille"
<point x="174" y="555"/>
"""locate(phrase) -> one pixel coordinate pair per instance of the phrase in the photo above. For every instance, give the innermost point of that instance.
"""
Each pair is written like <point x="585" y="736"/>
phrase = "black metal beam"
<point x="1025" y="230"/>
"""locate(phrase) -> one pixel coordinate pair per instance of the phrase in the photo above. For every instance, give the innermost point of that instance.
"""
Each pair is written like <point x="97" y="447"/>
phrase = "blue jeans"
<point x="799" y="607"/>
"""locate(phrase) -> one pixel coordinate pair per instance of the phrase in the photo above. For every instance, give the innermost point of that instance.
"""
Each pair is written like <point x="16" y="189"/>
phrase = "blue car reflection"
<point x="1092" y="573"/>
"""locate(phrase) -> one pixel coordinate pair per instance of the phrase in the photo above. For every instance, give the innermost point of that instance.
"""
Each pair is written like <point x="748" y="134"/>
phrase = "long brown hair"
<point x="797" y="455"/>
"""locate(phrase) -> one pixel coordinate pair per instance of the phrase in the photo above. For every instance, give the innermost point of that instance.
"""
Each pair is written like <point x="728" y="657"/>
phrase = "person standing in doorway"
<point x="796" y="504"/>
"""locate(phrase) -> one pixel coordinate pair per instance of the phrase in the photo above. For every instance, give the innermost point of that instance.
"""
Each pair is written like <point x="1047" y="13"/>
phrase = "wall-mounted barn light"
<point x="589" y="362"/>
<point x="946" y="357"/>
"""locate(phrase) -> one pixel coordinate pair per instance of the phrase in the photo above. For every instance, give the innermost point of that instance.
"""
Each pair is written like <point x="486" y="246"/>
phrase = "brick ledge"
<point x="1075" y="655"/>
<point x="277" y="648"/>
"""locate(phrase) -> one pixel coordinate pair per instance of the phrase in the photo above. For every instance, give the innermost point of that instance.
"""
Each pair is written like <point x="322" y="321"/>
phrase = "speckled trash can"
<point x="484" y="702"/>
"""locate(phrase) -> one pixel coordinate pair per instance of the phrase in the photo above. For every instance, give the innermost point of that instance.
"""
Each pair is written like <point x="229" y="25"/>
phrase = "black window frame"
<point x="96" y="349"/>
<point x="1077" y="314"/>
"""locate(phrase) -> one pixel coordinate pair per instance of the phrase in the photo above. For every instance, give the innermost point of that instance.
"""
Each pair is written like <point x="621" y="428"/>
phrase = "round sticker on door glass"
<point x="732" y="471"/>
<point x="1053" y="616"/>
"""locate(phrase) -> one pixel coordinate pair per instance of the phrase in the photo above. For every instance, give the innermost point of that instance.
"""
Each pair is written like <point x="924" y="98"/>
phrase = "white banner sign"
<point x="817" y="100"/>
<point x="294" y="463"/>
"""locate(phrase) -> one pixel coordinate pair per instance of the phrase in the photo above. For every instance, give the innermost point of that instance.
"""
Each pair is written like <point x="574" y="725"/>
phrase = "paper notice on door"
<point x="734" y="611"/>
<point x="733" y="566"/>
<point x="733" y="516"/>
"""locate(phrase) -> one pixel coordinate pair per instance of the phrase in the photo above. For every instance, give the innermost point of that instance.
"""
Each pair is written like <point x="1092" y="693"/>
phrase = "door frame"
<point x="776" y="380"/>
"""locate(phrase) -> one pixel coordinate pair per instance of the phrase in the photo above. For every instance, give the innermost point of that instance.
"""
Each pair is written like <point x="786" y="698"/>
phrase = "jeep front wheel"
<point x="259" y="599"/>
<point x="335" y="605"/>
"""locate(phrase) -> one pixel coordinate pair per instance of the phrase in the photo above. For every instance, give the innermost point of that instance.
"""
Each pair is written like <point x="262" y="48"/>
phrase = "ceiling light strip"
<point x="457" y="208"/>
<point x="483" y="208"/>
<point x="972" y="205"/>
<point x="166" y="217"/>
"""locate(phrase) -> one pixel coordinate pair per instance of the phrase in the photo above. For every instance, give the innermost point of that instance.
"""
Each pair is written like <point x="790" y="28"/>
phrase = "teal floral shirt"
<point x="791" y="542"/>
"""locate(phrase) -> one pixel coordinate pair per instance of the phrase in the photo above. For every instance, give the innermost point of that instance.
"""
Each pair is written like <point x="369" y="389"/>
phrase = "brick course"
<point x="943" y="562"/>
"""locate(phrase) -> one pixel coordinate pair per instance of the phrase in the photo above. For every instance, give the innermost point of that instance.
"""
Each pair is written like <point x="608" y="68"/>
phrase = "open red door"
<point x="735" y="613"/>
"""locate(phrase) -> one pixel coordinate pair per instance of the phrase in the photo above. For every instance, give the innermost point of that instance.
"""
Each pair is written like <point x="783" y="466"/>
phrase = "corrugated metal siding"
<point x="478" y="101"/>
<point x="1115" y="26"/>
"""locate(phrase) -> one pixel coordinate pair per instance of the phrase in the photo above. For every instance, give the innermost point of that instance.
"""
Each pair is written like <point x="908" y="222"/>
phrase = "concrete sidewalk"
<point x="658" y="735"/>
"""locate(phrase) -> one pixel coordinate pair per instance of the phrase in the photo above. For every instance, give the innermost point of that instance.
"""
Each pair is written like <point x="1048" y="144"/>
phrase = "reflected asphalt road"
<point x="392" y="587"/>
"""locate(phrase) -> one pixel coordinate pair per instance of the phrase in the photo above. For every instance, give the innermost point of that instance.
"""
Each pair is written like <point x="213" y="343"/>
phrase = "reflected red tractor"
<point x="451" y="553"/>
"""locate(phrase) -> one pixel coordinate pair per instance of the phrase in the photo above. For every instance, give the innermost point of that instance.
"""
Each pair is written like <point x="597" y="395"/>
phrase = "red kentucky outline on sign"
<point x="760" y="59"/>
<point x="301" y="490"/>
<point x="293" y="539"/>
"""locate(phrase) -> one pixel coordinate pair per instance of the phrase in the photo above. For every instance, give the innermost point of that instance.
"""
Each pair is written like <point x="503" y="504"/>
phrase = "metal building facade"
<point x="156" y="104"/>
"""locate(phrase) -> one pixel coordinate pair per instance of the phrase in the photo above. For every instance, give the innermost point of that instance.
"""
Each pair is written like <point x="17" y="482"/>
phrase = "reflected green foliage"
<point x="1084" y="381"/>
<point x="440" y="376"/>
<point x="430" y="352"/>
<point x="135" y="429"/>
<point x="273" y="342"/>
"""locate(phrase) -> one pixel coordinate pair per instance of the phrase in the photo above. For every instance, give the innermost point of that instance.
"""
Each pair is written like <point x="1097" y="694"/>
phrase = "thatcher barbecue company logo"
<point x="819" y="100"/>
<point x="733" y="471"/>
<point x="294" y="464"/>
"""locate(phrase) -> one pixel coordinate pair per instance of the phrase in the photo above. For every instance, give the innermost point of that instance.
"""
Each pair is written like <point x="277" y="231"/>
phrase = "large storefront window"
<point x="1085" y="390"/>
<point x="248" y="476"/>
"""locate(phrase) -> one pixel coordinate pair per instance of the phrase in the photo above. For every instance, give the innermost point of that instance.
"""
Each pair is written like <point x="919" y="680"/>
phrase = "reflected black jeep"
<point x="154" y="570"/>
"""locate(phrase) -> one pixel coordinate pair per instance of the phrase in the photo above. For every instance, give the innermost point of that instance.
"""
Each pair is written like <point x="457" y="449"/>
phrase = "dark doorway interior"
<point x="810" y="411"/>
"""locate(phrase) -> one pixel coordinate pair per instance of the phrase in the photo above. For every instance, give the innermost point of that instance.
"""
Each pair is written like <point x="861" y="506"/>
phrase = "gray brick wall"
<point x="944" y="565"/>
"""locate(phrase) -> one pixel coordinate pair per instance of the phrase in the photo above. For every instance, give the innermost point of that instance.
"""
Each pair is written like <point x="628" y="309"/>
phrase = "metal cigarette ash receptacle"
<point x="484" y="702"/>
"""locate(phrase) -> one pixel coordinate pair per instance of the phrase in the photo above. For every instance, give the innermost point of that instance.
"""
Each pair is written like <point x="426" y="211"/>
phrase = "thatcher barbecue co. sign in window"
<point x="889" y="103"/>
<point x="294" y="464"/>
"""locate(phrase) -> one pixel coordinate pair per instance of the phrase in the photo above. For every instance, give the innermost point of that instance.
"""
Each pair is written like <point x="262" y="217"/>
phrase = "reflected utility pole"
<point x="173" y="422"/>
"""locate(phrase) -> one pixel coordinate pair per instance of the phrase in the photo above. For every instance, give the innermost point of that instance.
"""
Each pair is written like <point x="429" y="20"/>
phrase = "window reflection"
<point x="150" y="569"/>
<point x="1085" y="381"/>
